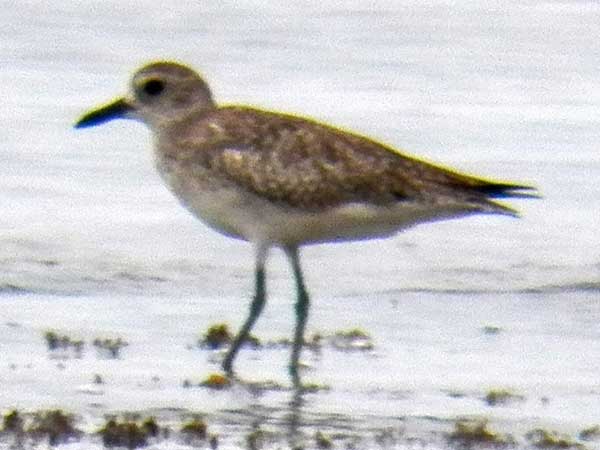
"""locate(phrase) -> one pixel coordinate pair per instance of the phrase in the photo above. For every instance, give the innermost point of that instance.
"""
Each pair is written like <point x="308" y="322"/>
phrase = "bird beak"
<point x="118" y="109"/>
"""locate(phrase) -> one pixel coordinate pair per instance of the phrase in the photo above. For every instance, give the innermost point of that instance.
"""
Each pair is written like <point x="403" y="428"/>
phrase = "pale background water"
<point x="92" y="243"/>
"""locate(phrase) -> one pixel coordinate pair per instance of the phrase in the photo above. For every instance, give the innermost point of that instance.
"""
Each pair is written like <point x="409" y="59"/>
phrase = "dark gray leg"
<point x="302" y="304"/>
<point x="256" y="308"/>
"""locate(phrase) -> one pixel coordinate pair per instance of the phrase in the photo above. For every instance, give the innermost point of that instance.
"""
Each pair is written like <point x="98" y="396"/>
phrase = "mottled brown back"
<point x="308" y="165"/>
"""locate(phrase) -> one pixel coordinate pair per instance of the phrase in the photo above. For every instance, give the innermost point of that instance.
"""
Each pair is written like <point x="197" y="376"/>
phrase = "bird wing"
<point x="309" y="165"/>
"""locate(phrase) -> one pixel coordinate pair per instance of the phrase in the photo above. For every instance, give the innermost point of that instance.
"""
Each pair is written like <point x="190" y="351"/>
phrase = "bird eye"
<point x="153" y="87"/>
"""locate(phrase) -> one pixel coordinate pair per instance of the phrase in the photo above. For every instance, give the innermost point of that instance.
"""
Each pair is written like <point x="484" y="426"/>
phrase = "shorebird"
<point x="280" y="180"/>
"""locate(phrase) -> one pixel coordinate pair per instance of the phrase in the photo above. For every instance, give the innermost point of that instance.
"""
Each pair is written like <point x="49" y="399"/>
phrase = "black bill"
<point x="115" y="110"/>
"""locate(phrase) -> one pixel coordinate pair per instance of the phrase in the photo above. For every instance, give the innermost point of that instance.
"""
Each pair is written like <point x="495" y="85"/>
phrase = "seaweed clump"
<point x="323" y="441"/>
<point x="590" y="434"/>
<point x="62" y="344"/>
<point x="194" y="430"/>
<point x="498" y="397"/>
<point x="541" y="438"/>
<point x="216" y="381"/>
<point x="12" y="425"/>
<point x="12" y="422"/>
<point x="109" y="347"/>
<point x="478" y="433"/>
<point x="352" y="340"/>
<point x="218" y="336"/>
<point x="128" y="433"/>
<point x="55" y="425"/>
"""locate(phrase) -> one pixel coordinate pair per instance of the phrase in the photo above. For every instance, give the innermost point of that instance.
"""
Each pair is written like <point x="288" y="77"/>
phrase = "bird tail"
<point x="506" y="190"/>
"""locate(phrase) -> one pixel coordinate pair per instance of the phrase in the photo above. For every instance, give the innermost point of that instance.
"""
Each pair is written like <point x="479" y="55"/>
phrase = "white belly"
<point x="244" y="215"/>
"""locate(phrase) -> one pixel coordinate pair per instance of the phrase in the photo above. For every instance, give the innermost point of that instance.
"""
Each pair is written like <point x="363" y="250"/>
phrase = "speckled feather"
<point x="304" y="164"/>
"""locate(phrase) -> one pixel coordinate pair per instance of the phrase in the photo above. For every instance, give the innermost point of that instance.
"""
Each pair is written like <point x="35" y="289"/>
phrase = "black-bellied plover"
<point x="279" y="180"/>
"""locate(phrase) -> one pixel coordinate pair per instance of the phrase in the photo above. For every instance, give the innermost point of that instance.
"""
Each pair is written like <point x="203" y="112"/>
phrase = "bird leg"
<point x="256" y="308"/>
<point x="302" y="304"/>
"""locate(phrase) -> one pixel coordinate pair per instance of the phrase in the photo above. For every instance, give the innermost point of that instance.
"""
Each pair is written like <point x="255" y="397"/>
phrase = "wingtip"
<point x="501" y="190"/>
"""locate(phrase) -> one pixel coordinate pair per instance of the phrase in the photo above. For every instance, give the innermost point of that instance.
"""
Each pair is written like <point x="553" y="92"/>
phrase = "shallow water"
<point x="93" y="245"/>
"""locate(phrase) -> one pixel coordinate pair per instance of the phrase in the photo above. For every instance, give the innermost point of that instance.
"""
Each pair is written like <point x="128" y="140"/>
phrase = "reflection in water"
<point x="294" y="417"/>
<point x="297" y="423"/>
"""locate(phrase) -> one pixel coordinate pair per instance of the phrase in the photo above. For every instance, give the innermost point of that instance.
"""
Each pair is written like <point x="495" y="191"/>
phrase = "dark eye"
<point x="153" y="87"/>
